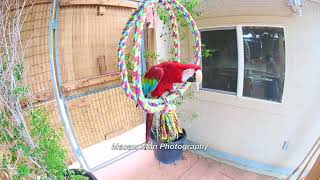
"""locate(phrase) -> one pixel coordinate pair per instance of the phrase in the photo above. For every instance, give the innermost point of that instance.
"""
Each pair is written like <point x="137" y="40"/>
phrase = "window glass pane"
<point x="264" y="62"/>
<point x="220" y="71"/>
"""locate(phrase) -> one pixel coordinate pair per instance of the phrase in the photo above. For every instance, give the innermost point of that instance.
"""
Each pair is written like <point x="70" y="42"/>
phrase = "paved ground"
<point x="142" y="165"/>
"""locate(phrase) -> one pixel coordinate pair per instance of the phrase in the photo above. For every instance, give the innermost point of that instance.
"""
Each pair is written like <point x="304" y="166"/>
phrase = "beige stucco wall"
<point x="256" y="129"/>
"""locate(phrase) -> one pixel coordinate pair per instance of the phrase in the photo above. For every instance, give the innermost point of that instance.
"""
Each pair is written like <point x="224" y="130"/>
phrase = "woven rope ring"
<point x="138" y="19"/>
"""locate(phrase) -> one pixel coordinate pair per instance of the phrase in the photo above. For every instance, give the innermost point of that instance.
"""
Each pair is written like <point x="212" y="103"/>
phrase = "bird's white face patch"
<point x="198" y="79"/>
<point x="187" y="74"/>
<point x="198" y="76"/>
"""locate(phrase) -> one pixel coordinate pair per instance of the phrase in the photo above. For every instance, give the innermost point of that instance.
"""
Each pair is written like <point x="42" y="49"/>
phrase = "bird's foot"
<point x="165" y="100"/>
<point x="177" y="91"/>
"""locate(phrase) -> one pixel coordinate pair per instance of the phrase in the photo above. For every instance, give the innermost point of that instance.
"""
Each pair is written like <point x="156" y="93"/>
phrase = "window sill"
<point x="242" y="102"/>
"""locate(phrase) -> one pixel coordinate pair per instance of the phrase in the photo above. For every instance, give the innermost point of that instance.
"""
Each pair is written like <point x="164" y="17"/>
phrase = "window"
<point x="221" y="70"/>
<point x="259" y="73"/>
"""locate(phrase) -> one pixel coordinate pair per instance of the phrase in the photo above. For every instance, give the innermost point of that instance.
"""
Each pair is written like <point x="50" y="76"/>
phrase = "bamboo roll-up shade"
<point x="37" y="65"/>
<point x="88" y="43"/>
<point x="103" y="115"/>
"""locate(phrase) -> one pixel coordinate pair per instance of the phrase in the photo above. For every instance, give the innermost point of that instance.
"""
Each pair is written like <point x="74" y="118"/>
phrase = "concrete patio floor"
<point x="142" y="165"/>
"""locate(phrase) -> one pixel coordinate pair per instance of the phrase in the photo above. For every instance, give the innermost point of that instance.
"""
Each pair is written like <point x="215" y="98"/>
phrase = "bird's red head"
<point x="176" y="72"/>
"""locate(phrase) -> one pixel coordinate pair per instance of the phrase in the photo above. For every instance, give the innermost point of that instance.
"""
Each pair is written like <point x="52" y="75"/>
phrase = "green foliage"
<point x="207" y="53"/>
<point x="78" y="177"/>
<point x="150" y="55"/>
<point x="18" y="159"/>
<point x="21" y="92"/>
<point x="192" y="6"/>
<point x="49" y="150"/>
<point x="186" y="117"/>
<point x="24" y="170"/>
<point x="13" y="148"/>
<point x="129" y="66"/>
<point x="128" y="61"/>
<point x="18" y="71"/>
<point x="46" y="160"/>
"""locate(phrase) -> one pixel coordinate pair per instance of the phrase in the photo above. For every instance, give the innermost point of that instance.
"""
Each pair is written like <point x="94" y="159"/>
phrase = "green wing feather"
<point x="151" y="80"/>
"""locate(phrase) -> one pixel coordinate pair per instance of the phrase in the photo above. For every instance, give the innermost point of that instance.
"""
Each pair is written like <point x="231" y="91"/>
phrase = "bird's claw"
<point x="165" y="100"/>
<point x="177" y="91"/>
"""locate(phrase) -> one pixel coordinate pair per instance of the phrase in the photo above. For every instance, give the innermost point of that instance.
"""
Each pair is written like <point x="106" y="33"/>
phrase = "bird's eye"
<point x="187" y="74"/>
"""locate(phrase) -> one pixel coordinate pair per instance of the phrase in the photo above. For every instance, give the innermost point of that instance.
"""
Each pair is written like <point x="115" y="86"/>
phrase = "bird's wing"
<point x="151" y="80"/>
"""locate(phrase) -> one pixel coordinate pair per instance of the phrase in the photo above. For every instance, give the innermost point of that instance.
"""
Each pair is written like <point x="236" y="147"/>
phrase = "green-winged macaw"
<point x="162" y="77"/>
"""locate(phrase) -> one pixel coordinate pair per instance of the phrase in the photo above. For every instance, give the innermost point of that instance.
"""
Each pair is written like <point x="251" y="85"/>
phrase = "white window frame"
<point x="240" y="79"/>
<point x="216" y="90"/>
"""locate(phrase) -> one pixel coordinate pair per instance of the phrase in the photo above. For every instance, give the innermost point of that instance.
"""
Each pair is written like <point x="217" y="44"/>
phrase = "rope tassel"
<point x="169" y="125"/>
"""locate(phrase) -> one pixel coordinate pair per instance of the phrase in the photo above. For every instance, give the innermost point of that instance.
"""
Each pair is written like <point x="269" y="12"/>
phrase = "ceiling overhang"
<point x="296" y="6"/>
<point x="223" y="8"/>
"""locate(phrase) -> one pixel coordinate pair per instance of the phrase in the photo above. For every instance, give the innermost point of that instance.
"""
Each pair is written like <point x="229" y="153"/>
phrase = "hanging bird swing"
<point x="156" y="91"/>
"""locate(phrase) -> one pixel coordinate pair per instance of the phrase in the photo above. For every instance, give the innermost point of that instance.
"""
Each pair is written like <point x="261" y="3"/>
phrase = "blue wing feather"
<point x="149" y="85"/>
<point x="151" y="80"/>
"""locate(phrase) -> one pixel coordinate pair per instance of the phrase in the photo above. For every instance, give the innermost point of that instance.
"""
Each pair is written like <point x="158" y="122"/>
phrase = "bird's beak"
<point x="192" y="78"/>
<point x="196" y="77"/>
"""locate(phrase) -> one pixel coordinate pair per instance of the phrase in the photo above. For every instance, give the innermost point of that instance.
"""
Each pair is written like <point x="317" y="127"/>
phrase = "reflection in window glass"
<point x="264" y="62"/>
<point x="220" y="71"/>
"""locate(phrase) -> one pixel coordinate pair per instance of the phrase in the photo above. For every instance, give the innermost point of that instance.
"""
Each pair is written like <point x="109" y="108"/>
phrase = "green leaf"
<point x="23" y="170"/>
<point x="5" y="163"/>
<point x="18" y="71"/>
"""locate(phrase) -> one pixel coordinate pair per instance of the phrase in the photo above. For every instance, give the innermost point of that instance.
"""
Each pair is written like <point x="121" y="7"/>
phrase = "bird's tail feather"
<point x="149" y="120"/>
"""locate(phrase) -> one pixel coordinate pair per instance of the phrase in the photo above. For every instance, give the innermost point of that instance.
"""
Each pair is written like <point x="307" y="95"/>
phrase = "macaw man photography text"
<point x="117" y="146"/>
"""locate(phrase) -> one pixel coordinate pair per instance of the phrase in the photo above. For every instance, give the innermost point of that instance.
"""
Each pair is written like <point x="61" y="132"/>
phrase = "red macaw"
<point x="162" y="77"/>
